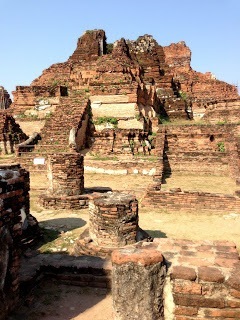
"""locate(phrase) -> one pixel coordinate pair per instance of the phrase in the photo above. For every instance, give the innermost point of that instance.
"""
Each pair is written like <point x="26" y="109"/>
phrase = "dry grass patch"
<point x="206" y="183"/>
<point x="194" y="225"/>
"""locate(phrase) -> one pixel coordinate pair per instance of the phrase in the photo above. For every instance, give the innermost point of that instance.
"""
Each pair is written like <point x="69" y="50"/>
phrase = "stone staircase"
<point x="71" y="113"/>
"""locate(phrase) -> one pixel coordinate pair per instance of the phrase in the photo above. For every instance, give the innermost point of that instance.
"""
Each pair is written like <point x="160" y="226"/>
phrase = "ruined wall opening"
<point x="63" y="91"/>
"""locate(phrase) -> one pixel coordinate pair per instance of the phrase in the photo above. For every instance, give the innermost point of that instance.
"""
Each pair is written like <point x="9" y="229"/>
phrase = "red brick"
<point x="210" y="274"/>
<point x="187" y="287"/>
<point x="184" y="318"/>
<point x="185" y="273"/>
<point x="204" y="248"/>
<point x="234" y="293"/>
<point x="198" y="262"/>
<point x="226" y="263"/>
<point x="187" y="253"/>
<point x="186" y="311"/>
<point x="224" y="313"/>
<point x="211" y="288"/>
<point x="198" y="301"/>
<point x="234" y="280"/>
<point x="227" y="255"/>
<point x="232" y="303"/>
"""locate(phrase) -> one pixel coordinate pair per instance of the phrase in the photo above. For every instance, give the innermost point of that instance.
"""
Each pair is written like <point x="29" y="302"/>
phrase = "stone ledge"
<point x="136" y="255"/>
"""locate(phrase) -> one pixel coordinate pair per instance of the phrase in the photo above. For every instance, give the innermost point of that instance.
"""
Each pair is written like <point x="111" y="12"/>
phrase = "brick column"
<point x="113" y="220"/>
<point x="66" y="174"/>
<point x="137" y="283"/>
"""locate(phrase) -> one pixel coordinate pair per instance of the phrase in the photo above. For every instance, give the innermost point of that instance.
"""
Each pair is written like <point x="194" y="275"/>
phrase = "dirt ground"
<point x="55" y="301"/>
<point x="58" y="301"/>
<point x="159" y="223"/>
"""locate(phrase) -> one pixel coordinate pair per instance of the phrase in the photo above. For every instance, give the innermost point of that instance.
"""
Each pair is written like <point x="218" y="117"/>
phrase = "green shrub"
<point x="103" y="120"/>
<point x="221" y="146"/>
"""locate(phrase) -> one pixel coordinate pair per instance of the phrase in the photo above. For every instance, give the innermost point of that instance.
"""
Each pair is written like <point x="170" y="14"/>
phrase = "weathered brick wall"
<point x="188" y="146"/>
<point x="139" y="166"/>
<point x="27" y="97"/>
<point x="55" y="202"/>
<point x="178" y="56"/>
<point x="120" y="141"/>
<point x="56" y="74"/>
<point x="68" y="115"/>
<point x="113" y="223"/>
<point x="14" y="204"/>
<point x="225" y="111"/>
<point x="90" y="45"/>
<point x="113" y="219"/>
<point x="203" y="279"/>
<point x="201" y="87"/>
<point x="191" y="200"/>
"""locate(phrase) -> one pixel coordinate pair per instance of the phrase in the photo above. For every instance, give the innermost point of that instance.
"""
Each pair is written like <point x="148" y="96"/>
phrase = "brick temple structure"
<point x="139" y="103"/>
<point x="112" y="97"/>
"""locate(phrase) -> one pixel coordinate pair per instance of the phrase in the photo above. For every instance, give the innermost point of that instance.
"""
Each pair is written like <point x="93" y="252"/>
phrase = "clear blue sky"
<point x="38" y="33"/>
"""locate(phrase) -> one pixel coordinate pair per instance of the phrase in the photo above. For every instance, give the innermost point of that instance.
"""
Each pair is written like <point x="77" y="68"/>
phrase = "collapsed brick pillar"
<point x="137" y="283"/>
<point x="66" y="174"/>
<point x="113" y="223"/>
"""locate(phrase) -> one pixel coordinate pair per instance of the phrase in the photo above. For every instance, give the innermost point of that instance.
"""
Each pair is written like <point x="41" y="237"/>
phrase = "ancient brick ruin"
<point x="5" y="100"/>
<point x="142" y="107"/>
<point x="113" y="223"/>
<point x="112" y="99"/>
<point x="137" y="283"/>
<point x="202" y="280"/>
<point x="14" y="201"/>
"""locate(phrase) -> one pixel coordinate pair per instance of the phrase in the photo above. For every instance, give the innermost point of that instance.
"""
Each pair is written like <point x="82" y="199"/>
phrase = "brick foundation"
<point x="202" y="280"/>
